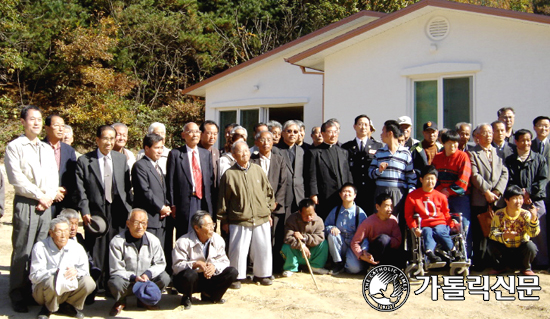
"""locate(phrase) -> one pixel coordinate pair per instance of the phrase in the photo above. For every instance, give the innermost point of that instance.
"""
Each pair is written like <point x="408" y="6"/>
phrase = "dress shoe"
<point x="235" y="285"/>
<point x="207" y="298"/>
<point x="116" y="309"/>
<point x="140" y="304"/>
<point x="67" y="309"/>
<point x="186" y="302"/>
<point x="19" y="306"/>
<point x="263" y="281"/>
<point x="44" y="313"/>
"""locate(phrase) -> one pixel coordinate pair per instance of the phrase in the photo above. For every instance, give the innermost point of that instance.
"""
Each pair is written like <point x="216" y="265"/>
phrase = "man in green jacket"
<point x="244" y="208"/>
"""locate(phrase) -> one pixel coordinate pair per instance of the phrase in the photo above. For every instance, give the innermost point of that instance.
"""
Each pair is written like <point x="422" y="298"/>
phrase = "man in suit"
<point x="104" y="189"/>
<point x="274" y="165"/>
<point x="209" y="137"/>
<point x="159" y="129"/>
<point x="507" y="115"/>
<point x="65" y="157"/>
<point x="149" y="186"/>
<point x="504" y="149"/>
<point x="32" y="170"/>
<point x="294" y="157"/>
<point x="541" y="125"/>
<point x="361" y="152"/>
<point x="328" y="171"/>
<point x="189" y="179"/>
<point x="489" y="179"/>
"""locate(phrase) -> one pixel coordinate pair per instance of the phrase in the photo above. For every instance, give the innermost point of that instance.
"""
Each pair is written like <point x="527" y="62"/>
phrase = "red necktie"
<point x="197" y="176"/>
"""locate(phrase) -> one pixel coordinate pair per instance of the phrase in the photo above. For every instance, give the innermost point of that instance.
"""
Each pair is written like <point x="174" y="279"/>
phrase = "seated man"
<point x="200" y="263"/>
<point x="433" y="208"/>
<point x="59" y="272"/>
<point x="135" y="256"/>
<point x="340" y="226"/>
<point x="511" y="230"/>
<point x="304" y="230"/>
<point x="378" y="238"/>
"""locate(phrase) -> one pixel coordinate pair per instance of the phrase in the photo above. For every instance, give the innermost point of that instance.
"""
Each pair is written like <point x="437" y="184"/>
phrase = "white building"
<point x="434" y="60"/>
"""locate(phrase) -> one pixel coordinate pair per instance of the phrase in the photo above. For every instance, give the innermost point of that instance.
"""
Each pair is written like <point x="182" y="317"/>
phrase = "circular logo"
<point x="386" y="288"/>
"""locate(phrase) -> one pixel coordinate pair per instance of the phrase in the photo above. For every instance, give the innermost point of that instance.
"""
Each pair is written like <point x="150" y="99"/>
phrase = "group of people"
<point x="269" y="208"/>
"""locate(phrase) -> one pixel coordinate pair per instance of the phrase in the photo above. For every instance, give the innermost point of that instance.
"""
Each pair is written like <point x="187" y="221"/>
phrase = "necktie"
<point x="197" y="176"/>
<point x="108" y="179"/>
<point x="159" y="171"/>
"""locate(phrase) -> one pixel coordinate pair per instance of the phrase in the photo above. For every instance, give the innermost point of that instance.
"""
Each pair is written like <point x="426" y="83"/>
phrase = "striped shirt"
<point x="399" y="173"/>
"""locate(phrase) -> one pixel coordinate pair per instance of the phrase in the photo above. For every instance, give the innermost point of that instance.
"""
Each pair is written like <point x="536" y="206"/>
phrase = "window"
<point x="446" y="101"/>
<point x="247" y="118"/>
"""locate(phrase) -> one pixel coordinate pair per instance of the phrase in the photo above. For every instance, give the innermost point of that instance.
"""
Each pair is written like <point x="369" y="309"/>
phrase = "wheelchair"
<point x="457" y="259"/>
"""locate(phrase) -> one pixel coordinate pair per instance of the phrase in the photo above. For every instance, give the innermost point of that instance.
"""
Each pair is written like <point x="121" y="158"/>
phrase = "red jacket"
<point x="432" y="207"/>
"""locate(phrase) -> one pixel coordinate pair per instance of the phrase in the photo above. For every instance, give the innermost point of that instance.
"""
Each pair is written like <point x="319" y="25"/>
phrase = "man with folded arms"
<point x="135" y="256"/>
<point x="59" y="272"/>
<point x="200" y="263"/>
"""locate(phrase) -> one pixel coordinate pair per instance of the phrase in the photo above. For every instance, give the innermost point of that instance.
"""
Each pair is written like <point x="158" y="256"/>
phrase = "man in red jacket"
<point x="433" y="208"/>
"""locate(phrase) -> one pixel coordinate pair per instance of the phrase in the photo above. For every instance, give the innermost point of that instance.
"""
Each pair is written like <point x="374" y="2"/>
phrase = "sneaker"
<point x="44" y="313"/>
<point x="320" y="271"/>
<point x="186" y="302"/>
<point x="432" y="257"/>
<point x="287" y="273"/>
<point x="338" y="268"/>
<point x="235" y="285"/>
<point x="528" y="272"/>
<point x="263" y="281"/>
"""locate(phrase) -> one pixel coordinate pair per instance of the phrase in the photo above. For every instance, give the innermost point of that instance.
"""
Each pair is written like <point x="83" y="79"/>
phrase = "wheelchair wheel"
<point x="460" y="271"/>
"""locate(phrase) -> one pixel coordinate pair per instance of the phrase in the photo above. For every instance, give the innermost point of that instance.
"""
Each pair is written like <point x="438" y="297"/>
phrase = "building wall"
<point x="275" y="83"/>
<point x="513" y="57"/>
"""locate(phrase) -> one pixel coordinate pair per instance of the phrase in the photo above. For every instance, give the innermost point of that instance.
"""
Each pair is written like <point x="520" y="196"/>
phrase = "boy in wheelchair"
<point x="433" y="210"/>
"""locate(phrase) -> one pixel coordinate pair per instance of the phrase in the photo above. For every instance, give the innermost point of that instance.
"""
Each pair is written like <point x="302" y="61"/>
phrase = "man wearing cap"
<point x="32" y="170"/>
<point x="59" y="272"/>
<point x="361" y="151"/>
<point x="405" y="124"/>
<point x="135" y="259"/>
<point x="104" y="190"/>
<point x="424" y="152"/>
<point x="200" y="263"/>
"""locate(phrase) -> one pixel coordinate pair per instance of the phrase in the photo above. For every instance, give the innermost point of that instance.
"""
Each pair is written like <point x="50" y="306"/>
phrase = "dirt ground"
<point x="295" y="297"/>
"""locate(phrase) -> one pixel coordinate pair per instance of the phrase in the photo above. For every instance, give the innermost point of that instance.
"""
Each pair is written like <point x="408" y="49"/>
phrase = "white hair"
<point x="154" y="125"/>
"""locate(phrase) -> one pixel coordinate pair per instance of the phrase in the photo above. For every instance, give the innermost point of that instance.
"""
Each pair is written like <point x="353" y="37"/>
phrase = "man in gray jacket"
<point x="135" y="256"/>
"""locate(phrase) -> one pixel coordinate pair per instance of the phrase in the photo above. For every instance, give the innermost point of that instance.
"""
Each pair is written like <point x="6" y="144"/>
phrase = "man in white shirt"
<point x="59" y="272"/>
<point x="32" y="170"/>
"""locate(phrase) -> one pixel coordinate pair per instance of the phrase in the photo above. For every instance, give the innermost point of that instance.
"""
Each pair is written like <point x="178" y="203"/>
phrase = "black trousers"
<point x="520" y="257"/>
<point x="189" y="281"/>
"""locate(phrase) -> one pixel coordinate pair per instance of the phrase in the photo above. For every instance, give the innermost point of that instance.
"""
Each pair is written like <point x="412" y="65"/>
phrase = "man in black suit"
<point x="189" y="179"/>
<point x="274" y="165"/>
<point x="65" y="157"/>
<point x="294" y="157"/>
<point x="503" y="148"/>
<point x="209" y="137"/>
<point x="328" y="171"/>
<point x="150" y="188"/>
<point x="361" y="152"/>
<point x="103" y="188"/>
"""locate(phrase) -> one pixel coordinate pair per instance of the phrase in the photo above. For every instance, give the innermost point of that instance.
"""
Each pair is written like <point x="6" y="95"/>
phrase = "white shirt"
<point x="190" y="156"/>
<point x="100" y="157"/>
<point x="361" y="143"/>
<point x="162" y="160"/>
<point x="31" y="168"/>
<point x="265" y="162"/>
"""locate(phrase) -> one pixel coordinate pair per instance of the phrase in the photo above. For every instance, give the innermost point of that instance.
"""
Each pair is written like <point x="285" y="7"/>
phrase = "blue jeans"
<point x="462" y="204"/>
<point x="438" y="234"/>
<point x="339" y="249"/>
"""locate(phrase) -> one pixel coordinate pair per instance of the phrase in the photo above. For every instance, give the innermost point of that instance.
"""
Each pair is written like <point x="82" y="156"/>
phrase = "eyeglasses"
<point x="263" y="140"/>
<point x="332" y="132"/>
<point x="193" y="132"/>
<point x="142" y="224"/>
<point x="292" y="131"/>
<point x="108" y="139"/>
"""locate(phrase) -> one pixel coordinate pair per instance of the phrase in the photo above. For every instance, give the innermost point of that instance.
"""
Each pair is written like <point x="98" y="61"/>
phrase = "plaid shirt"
<point x="521" y="224"/>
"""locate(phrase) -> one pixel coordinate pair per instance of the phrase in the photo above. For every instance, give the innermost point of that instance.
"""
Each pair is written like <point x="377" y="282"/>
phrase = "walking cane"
<point x="308" y="265"/>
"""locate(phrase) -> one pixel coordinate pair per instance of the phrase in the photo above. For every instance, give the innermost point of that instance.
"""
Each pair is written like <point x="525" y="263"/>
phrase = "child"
<point x="433" y="208"/>
<point x="340" y="227"/>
